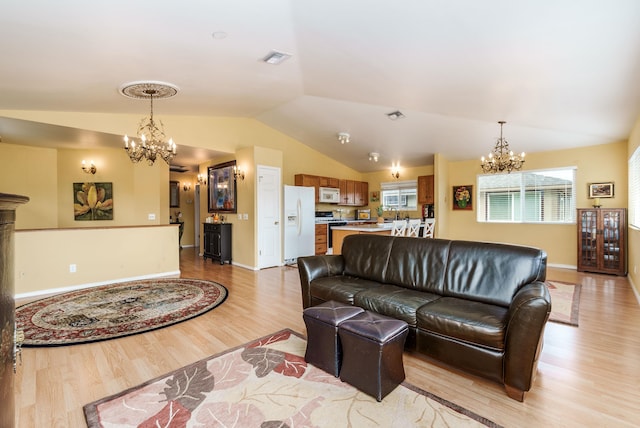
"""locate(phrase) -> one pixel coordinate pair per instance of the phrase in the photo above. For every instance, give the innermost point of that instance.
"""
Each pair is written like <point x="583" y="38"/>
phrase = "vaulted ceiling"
<point x="562" y="73"/>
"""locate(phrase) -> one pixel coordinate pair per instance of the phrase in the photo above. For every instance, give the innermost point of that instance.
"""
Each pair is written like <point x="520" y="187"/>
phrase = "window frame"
<point x="518" y="197"/>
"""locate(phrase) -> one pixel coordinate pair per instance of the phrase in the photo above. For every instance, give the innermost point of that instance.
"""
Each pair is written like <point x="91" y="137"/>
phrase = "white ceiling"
<point x="562" y="73"/>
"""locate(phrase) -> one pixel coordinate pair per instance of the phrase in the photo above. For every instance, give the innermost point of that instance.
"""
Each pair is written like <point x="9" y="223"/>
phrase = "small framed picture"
<point x="463" y="197"/>
<point x="601" y="190"/>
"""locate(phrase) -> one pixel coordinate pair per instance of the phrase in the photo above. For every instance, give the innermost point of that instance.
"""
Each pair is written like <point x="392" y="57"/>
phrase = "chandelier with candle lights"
<point x="501" y="159"/>
<point x="151" y="142"/>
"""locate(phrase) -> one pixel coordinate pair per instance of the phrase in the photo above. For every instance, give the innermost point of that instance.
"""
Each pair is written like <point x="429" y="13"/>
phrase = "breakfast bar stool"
<point x="323" y="345"/>
<point x="372" y="346"/>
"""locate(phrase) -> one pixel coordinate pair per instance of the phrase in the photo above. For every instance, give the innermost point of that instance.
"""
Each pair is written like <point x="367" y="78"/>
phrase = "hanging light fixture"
<point x="152" y="141"/>
<point x="501" y="159"/>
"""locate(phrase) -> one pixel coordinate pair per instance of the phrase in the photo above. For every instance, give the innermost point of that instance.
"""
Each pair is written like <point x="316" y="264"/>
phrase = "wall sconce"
<point x="395" y="170"/>
<point x="91" y="169"/>
<point x="186" y="186"/>
<point x="202" y="179"/>
<point x="238" y="173"/>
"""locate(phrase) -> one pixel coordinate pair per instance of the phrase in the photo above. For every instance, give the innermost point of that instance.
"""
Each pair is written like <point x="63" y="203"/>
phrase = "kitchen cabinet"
<point x="217" y="242"/>
<point x="361" y="197"/>
<point x="602" y="240"/>
<point x="426" y="190"/>
<point x="321" y="239"/>
<point x="308" y="181"/>
<point x="353" y="193"/>
<point x="329" y="182"/>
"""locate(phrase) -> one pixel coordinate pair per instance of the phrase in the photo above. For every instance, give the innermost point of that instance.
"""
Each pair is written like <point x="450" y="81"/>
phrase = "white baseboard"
<point x="174" y="274"/>
<point x="559" y="266"/>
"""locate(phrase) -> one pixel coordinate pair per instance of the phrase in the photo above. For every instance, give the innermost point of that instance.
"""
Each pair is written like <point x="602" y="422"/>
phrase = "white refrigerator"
<point x="299" y="223"/>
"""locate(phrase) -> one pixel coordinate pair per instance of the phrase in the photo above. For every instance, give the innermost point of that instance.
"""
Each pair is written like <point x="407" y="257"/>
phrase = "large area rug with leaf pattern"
<point x="115" y="310"/>
<point x="267" y="383"/>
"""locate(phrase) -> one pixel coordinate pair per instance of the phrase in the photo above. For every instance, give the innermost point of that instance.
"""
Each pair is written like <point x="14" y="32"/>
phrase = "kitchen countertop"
<point x="367" y="227"/>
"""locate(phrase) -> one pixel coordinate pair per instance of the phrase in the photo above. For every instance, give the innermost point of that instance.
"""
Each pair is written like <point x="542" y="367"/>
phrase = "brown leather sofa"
<point x="480" y="307"/>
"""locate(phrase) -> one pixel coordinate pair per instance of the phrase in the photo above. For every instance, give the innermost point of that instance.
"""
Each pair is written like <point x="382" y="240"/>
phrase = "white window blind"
<point x="634" y="189"/>
<point x="544" y="196"/>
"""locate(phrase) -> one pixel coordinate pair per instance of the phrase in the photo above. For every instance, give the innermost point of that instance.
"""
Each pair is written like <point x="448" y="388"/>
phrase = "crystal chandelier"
<point x="152" y="141"/>
<point x="501" y="159"/>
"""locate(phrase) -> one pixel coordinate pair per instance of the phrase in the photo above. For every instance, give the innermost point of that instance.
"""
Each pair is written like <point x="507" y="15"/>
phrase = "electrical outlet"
<point x="152" y="216"/>
<point x="72" y="268"/>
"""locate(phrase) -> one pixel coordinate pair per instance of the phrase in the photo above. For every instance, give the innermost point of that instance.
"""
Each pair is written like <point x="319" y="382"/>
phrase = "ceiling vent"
<point x="395" y="115"/>
<point x="275" y="57"/>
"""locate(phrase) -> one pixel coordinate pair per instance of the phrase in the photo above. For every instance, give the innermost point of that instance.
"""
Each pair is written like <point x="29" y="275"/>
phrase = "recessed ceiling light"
<point x="395" y="115"/>
<point x="218" y="35"/>
<point x="275" y="57"/>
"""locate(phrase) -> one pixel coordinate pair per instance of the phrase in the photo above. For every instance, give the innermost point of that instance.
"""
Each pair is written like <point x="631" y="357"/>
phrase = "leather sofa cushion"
<point x="366" y="257"/>
<point x="339" y="288"/>
<point x="416" y="264"/>
<point x="465" y="320"/>
<point x="491" y="273"/>
<point x="393" y="301"/>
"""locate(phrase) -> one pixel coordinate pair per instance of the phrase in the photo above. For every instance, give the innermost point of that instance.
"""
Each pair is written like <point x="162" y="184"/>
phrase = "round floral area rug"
<point x="115" y="310"/>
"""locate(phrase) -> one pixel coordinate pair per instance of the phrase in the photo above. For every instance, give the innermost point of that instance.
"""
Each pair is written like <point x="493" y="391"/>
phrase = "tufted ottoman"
<point x="323" y="345"/>
<point x="372" y="347"/>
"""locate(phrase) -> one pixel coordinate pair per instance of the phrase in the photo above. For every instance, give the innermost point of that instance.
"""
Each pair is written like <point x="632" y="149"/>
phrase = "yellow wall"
<point x="634" y="234"/>
<point x="603" y="163"/>
<point x="32" y="172"/>
<point x="101" y="255"/>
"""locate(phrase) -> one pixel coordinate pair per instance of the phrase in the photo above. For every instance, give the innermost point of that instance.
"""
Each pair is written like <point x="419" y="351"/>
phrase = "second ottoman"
<point x="372" y="347"/>
<point x="323" y="345"/>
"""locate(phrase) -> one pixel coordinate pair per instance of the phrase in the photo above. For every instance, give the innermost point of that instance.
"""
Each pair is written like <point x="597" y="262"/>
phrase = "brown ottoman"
<point x="372" y="347"/>
<point x="323" y="345"/>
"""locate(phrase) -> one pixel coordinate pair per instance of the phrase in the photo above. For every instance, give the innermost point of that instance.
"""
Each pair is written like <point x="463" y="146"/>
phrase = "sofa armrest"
<point x="313" y="267"/>
<point x="527" y="317"/>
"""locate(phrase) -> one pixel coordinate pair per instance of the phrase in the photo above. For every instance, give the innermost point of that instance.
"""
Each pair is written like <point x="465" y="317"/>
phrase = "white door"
<point x="268" y="215"/>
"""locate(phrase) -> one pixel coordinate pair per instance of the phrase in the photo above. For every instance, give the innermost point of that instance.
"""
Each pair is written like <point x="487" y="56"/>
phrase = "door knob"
<point x="276" y="222"/>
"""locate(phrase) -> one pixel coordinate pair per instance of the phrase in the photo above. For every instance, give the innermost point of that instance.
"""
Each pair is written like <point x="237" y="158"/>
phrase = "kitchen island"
<point x="339" y="232"/>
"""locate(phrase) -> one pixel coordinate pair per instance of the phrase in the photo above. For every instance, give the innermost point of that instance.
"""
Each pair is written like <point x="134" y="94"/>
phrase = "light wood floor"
<point x="587" y="376"/>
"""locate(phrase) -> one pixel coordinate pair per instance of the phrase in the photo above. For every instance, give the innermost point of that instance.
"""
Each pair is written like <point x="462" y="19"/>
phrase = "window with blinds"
<point x="544" y="196"/>
<point x="399" y="195"/>
<point x="634" y="189"/>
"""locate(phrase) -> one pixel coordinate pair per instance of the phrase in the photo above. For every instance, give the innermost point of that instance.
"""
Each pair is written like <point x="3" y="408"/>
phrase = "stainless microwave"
<point x="328" y="195"/>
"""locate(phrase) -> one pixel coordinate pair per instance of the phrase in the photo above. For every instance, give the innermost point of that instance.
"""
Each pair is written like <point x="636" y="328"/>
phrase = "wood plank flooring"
<point x="587" y="376"/>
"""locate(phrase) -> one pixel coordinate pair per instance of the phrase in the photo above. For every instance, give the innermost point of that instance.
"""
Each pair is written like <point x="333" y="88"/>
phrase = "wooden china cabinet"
<point x="602" y="240"/>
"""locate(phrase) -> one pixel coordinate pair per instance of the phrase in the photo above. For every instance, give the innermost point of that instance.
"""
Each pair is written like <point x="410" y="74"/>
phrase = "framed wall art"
<point x="222" y="188"/>
<point x="92" y="201"/>
<point x="601" y="190"/>
<point x="463" y="197"/>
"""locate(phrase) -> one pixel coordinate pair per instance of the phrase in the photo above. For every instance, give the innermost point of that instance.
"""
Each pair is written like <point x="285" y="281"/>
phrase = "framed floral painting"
<point x="92" y="201"/>
<point x="463" y="197"/>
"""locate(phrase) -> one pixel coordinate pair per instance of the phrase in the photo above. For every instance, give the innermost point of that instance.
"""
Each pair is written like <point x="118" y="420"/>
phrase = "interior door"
<point x="268" y="215"/>
<point x="196" y="217"/>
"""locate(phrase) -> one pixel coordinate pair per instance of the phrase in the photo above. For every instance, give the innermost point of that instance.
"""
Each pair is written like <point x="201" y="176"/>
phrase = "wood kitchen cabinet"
<point x="309" y="181"/>
<point x="321" y="239"/>
<point x="329" y="182"/>
<point x="602" y="240"/>
<point x="426" y="190"/>
<point x="353" y="193"/>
